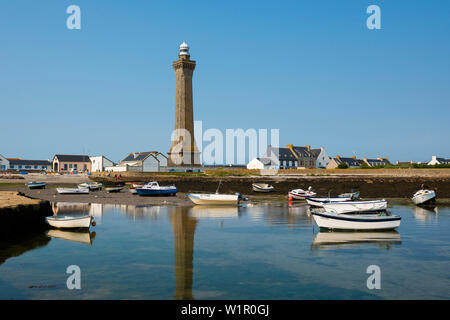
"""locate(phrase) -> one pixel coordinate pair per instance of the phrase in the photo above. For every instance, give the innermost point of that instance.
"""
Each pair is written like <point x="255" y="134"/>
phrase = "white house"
<point x="4" y="163"/>
<point x="152" y="161"/>
<point x="99" y="163"/>
<point x="322" y="158"/>
<point x="436" y="160"/>
<point x="259" y="163"/>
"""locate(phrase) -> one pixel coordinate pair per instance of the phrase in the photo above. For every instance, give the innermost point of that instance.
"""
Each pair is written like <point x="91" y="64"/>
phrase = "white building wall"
<point x="151" y="164"/>
<point x="323" y="159"/>
<point x="433" y="161"/>
<point x="4" y="163"/>
<point x="99" y="163"/>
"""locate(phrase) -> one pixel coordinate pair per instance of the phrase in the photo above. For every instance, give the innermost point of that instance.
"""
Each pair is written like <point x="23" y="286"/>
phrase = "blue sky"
<point x="309" y="68"/>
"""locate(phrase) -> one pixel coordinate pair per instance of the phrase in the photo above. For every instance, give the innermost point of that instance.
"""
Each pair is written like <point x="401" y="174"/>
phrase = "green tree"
<point x="343" y="165"/>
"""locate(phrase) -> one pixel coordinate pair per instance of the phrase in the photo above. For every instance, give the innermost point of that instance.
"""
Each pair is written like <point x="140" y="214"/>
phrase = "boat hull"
<point x="336" y="221"/>
<point x="72" y="191"/>
<point x="150" y="192"/>
<point x="36" y="185"/>
<point x="301" y="196"/>
<point x="355" y="206"/>
<point x="262" y="188"/>
<point x="214" y="199"/>
<point x="424" y="198"/>
<point x="318" y="202"/>
<point x="69" y="223"/>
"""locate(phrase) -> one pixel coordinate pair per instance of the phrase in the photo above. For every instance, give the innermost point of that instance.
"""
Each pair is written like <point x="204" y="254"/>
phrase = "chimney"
<point x="337" y="157"/>
<point x="308" y="147"/>
<point x="354" y="157"/>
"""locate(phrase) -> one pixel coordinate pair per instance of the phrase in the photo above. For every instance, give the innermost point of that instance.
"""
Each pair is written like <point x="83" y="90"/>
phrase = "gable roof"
<point x="351" y="162"/>
<point x="141" y="156"/>
<point x="443" y="160"/>
<point x="29" y="163"/>
<point x="72" y="158"/>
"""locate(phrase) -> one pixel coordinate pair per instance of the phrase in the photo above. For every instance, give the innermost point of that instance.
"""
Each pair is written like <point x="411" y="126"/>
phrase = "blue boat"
<point x="154" y="189"/>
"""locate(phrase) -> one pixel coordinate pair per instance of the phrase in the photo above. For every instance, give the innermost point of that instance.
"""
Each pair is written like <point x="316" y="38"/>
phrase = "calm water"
<point x="268" y="251"/>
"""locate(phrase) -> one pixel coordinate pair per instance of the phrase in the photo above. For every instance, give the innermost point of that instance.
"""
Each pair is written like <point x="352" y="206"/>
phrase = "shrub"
<point x="343" y="165"/>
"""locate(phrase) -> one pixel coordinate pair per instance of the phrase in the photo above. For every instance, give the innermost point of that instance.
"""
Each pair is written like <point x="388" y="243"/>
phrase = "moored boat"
<point x="424" y="196"/>
<point x="318" y="202"/>
<point x="214" y="198"/>
<point x="35" y="185"/>
<point x="72" y="190"/>
<point x="67" y="222"/>
<point x="338" y="221"/>
<point x="262" y="187"/>
<point x="154" y="189"/>
<point x="355" y="206"/>
<point x="114" y="189"/>
<point x="133" y="190"/>
<point x="302" y="194"/>
<point x="92" y="186"/>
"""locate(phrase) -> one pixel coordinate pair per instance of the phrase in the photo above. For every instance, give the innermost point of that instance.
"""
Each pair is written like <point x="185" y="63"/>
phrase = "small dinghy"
<point x="66" y="222"/>
<point x="72" y="190"/>
<point x="424" y="196"/>
<point x="318" y="202"/>
<point x="355" y="206"/>
<point x="133" y="190"/>
<point x="114" y="189"/>
<point x="35" y="185"/>
<point x="337" y="221"/>
<point x="92" y="186"/>
<point x="302" y="194"/>
<point x="262" y="187"/>
<point x="214" y="199"/>
<point x="154" y="189"/>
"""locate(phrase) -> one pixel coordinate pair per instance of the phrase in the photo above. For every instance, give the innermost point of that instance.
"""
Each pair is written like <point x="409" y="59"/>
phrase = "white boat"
<point x="214" y="198"/>
<point x="262" y="187"/>
<point x="35" y="185"/>
<point x="72" y="190"/>
<point x="67" y="222"/>
<point x="318" y="202"/>
<point x="133" y="190"/>
<point x="338" y="221"/>
<point x="355" y="206"/>
<point x="302" y="194"/>
<point x="114" y="189"/>
<point x="90" y="185"/>
<point x="424" y="196"/>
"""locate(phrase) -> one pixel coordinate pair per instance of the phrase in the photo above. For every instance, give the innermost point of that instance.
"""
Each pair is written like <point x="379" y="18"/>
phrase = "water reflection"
<point x="425" y="213"/>
<point x="183" y="227"/>
<point x="337" y="240"/>
<point x="281" y="214"/>
<point x="14" y="248"/>
<point x="84" y="237"/>
<point x="70" y="208"/>
<point x="214" y="212"/>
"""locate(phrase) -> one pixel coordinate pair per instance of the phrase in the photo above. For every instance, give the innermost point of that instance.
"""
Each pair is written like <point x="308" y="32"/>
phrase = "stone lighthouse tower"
<point x="183" y="151"/>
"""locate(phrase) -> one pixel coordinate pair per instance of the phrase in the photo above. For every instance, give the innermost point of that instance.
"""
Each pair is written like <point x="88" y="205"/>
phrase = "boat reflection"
<point x="218" y="212"/>
<point x="140" y="212"/>
<point x="84" y="237"/>
<point x="281" y="214"/>
<point x="424" y="213"/>
<point x="71" y="208"/>
<point x="341" y="240"/>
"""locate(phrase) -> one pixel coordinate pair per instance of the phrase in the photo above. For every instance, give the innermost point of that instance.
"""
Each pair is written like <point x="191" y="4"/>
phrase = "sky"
<point x="311" y="69"/>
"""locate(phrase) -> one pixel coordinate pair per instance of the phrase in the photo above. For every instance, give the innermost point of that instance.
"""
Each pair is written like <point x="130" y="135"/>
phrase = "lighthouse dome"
<point x="184" y="49"/>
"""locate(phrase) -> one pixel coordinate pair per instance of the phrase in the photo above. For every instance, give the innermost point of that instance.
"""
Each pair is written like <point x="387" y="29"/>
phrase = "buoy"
<point x="290" y="199"/>
<point x="94" y="223"/>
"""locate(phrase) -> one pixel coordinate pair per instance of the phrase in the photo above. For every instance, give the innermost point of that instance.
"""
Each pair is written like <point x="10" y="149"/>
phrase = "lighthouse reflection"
<point x="183" y="226"/>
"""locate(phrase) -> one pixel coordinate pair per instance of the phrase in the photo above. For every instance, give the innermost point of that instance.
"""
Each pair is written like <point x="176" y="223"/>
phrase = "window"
<point x="70" y="166"/>
<point x="65" y="166"/>
<point x="20" y="167"/>
<point x="75" y="166"/>
<point x="35" y="167"/>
